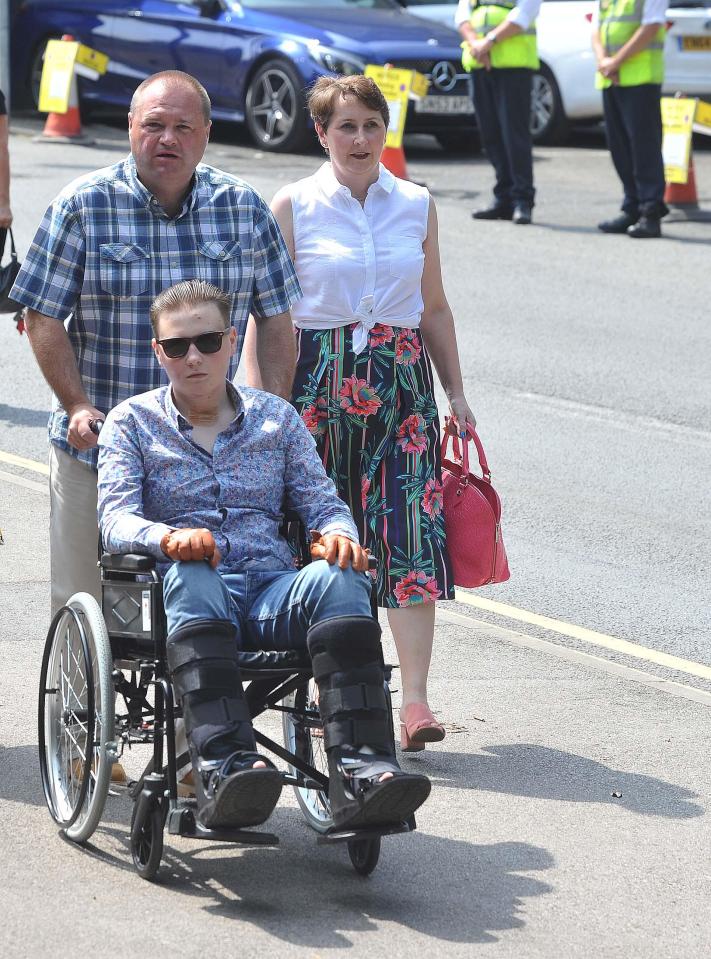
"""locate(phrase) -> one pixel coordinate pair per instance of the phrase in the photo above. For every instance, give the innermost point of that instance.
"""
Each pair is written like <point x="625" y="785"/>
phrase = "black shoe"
<point x="231" y="793"/>
<point x="497" y="211"/>
<point x="646" y="228"/>
<point x="522" y="213"/>
<point x="619" y="224"/>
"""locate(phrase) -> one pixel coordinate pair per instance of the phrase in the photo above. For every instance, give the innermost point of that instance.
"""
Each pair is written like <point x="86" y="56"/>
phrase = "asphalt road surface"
<point x="588" y="675"/>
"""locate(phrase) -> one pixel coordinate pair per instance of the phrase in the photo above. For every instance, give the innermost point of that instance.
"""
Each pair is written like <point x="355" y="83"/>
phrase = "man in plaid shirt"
<point x="108" y="244"/>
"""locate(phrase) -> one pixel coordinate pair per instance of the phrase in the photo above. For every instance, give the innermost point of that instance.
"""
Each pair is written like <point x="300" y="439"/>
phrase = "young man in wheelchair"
<point x="196" y="474"/>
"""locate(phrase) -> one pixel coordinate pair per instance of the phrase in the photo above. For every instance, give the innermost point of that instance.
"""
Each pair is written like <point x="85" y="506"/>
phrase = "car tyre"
<point x="549" y="124"/>
<point x="275" y="107"/>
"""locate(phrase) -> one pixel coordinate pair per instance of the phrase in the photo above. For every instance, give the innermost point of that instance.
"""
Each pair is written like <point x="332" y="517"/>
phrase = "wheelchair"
<point x="104" y="687"/>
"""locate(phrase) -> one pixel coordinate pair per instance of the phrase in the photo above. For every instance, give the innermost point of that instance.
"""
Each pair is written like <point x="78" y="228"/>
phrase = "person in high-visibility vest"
<point x="500" y="51"/>
<point x="628" y="40"/>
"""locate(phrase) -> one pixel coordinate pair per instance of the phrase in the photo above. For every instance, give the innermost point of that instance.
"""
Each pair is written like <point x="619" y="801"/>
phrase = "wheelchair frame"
<point x="86" y="660"/>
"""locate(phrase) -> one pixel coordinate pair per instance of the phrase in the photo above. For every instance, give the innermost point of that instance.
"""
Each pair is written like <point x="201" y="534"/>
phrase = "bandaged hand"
<point x="191" y="546"/>
<point x="334" y="548"/>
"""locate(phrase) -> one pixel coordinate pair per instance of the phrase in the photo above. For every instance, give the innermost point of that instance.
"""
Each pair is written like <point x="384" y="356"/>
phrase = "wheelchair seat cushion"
<point x="127" y="562"/>
<point x="274" y="659"/>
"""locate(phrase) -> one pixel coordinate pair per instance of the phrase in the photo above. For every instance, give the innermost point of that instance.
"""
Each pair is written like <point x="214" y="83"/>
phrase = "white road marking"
<point x="586" y="635"/>
<point x="577" y="657"/>
<point x="617" y="418"/>
<point x="24" y="483"/>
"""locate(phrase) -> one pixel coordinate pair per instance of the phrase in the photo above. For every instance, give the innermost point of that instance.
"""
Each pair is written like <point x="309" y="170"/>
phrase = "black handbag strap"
<point x="3" y="237"/>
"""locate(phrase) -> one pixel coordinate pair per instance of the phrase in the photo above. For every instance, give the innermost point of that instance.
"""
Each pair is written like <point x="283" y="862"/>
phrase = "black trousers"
<point x="633" y="121"/>
<point x="502" y="101"/>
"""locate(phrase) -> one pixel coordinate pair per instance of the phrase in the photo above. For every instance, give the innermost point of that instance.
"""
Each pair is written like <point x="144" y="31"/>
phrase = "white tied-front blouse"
<point x="358" y="264"/>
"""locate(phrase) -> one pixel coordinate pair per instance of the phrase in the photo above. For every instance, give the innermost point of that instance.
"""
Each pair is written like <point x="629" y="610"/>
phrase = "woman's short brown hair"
<point x="327" y="90"/>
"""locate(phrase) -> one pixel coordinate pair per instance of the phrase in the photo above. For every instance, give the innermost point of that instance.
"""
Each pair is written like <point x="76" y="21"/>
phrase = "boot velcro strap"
<point x="184" y="648"/>
<point x="352" y="698"/>
<point x="325" y="665"/>
<point x="357" y="732"/>
<point x="219" y="711"/>
<point x="215" y="677"/>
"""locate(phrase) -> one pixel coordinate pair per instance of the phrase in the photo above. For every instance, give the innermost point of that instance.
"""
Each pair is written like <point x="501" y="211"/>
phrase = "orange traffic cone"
<point x="65" y="127"/>
<point x="393" y="159"/>
<point x="683" y="200"/>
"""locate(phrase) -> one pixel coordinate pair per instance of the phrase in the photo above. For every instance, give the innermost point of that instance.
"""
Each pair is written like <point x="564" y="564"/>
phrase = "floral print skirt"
<point x="374" y="419"/>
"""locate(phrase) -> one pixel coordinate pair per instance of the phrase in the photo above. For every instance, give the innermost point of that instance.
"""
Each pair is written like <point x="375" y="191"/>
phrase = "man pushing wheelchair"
<point x="197" y="474"/>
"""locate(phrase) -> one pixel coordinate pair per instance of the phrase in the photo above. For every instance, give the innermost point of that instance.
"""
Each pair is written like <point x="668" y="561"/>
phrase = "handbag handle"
<point x="3" y="239"/>
<point x="450" y="431"/>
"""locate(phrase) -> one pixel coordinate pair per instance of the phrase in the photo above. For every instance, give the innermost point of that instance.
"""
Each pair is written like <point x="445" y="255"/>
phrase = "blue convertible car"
<point x="255" y="57"/>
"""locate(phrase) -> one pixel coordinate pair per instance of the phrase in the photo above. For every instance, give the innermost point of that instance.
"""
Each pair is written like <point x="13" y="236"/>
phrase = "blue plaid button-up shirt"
<point x="106" y="248"/>
<point x="154" y="478"/>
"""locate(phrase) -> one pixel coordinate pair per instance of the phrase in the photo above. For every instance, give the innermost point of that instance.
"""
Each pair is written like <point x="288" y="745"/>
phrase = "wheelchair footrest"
<point x="348" y="835"/>
<point x="182" y="822"/>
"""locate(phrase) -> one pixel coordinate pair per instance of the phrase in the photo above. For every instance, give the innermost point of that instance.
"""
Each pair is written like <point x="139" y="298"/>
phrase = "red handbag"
<point x="472" y="516"/>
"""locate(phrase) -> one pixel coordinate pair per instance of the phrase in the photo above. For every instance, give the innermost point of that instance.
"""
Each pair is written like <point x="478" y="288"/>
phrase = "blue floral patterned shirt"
<point x="153" y="478"/>
<point x="106" y="248"/>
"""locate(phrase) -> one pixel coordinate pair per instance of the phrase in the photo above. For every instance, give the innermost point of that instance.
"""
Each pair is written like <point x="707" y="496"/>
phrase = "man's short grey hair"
<point x="174" y="77"/>
<point x="190" y="293"/>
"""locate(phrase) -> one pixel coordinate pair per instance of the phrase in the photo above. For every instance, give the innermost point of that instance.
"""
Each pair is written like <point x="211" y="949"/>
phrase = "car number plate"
<point x="444" y="105"/>
<point x="696" y="43"/>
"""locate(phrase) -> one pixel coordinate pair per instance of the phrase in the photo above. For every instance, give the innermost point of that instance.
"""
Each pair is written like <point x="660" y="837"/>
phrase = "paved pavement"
<point x="586" y="358"/>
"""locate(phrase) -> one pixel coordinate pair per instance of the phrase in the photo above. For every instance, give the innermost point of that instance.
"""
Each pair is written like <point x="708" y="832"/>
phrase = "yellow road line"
<point x="488" y="605"/>
<point x="26" y="464"/>
<point x="577" y="657"/>
<point x="585" y="635"/>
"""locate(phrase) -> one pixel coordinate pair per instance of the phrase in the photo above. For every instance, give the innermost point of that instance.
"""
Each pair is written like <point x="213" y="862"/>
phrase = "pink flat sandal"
<point x="417" y="727"/>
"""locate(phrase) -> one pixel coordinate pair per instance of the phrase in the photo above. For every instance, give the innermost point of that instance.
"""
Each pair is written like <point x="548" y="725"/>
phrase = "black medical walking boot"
<point x="231" y="792"/>
<point x="497" y="211"/>
<point x="618" y="224"/>
<point x="357" y="727"/>
<point x="646" y="228"/>
<point x="523" y="213"/>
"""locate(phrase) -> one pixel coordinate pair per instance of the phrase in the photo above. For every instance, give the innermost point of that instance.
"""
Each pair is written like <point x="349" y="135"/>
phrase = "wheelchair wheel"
<point x="303" y="736"/>
<point x="364" y="854"/>
<point x="76" y="717"/>
<point x="147" y="823"/>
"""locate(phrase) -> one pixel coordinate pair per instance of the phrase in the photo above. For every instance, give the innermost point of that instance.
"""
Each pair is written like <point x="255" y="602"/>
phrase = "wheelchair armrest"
<point x="127" y="562"/>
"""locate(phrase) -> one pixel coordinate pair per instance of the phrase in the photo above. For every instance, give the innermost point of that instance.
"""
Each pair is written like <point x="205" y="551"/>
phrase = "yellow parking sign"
<point x="61" y="59"/>
<point x="678" y="122"/>
<point x="396" y="85"/>
<point x="57" y="73"/>
<point x="93" y="59"/>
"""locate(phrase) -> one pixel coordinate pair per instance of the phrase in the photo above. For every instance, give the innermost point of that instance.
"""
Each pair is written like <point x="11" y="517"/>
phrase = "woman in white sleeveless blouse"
<point x="366" y="253"/>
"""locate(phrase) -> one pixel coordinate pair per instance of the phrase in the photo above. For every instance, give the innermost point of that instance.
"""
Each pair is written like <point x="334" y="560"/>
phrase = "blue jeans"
<point x="270" y="610"/>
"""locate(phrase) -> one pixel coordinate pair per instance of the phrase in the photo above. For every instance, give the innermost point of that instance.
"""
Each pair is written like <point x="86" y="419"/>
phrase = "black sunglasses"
<point x="177" y="346"/>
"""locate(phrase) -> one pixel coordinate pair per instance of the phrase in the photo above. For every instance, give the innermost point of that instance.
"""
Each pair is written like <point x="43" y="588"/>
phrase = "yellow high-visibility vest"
<point x="518" y="51"/>
<point x="619" y="21"/>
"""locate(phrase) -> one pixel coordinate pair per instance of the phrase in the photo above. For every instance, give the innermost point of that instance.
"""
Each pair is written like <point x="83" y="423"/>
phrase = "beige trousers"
<point x="73" y="528"/>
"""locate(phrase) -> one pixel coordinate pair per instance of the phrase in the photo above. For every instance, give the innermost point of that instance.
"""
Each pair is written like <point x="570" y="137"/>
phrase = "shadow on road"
<point x="301" y="893"/>
<point x="22" y="416"/>
<point x="538" y="772"/>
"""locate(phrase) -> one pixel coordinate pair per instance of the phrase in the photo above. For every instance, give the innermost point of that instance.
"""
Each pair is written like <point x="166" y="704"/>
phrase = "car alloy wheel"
<point x="275" y="107"/>
<point x="542" y="105"/>
<point x="549" y="123"/>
